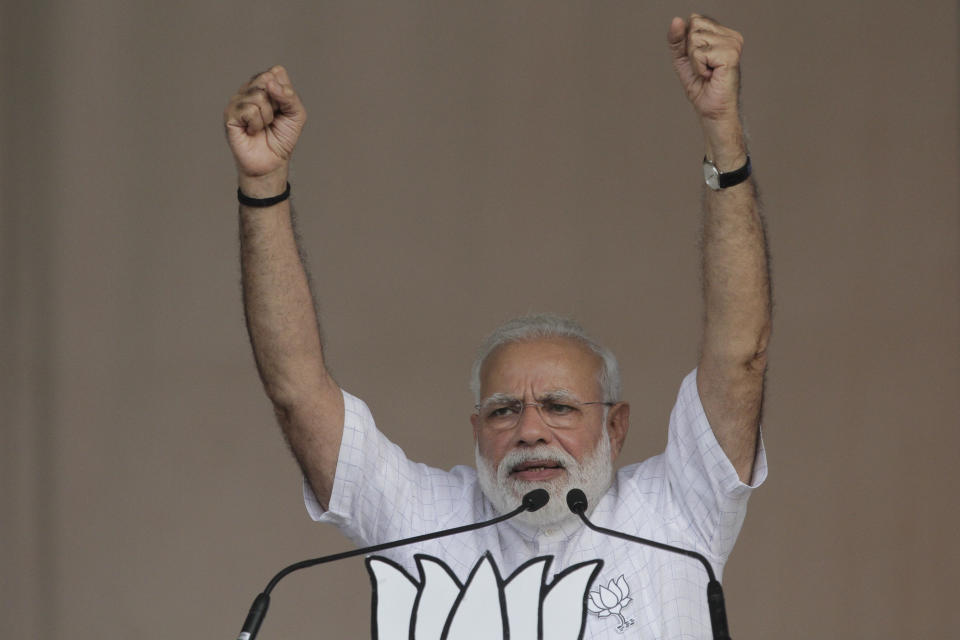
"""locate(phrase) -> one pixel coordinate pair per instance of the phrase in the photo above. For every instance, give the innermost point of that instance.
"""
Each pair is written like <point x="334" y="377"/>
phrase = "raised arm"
<point x="736" y="279"/>
<point x="263" y="122"/>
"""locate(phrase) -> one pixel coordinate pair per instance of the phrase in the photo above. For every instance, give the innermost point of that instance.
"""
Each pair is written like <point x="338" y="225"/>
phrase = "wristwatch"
<point x="716" y="180"/>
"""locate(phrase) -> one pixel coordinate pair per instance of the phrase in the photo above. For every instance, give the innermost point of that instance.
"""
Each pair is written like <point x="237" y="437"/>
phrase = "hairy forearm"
<point x="736" y="279"/>
<point x="736" y="293"/>
<point x="278" y="306"/>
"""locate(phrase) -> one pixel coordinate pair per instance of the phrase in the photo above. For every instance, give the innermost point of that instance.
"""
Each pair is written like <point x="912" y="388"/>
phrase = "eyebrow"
<point x="552" y="394"/>
<point x="559" y="394"/>
<point x="498" y="398"/>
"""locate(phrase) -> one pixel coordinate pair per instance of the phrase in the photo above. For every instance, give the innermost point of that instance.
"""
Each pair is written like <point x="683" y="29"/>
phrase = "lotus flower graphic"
<point x="486" y="607"/>
<point x="610" y="600"/>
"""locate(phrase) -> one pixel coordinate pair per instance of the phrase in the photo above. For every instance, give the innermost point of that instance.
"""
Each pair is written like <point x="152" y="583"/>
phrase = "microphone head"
<point x="577" y="501"/>
<point x="536" y="499"/>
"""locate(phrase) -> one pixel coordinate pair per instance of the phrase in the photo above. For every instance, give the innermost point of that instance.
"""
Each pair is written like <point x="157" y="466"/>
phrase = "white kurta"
<point x="690" y="496"/>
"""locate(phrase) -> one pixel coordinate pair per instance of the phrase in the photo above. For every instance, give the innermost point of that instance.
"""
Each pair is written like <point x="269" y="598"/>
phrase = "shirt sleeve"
<point x="378" y="494"/>
<point x="703" y="486"/>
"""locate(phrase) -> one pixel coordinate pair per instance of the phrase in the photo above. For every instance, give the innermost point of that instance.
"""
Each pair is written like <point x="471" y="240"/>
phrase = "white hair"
<point x="547" y="325"/>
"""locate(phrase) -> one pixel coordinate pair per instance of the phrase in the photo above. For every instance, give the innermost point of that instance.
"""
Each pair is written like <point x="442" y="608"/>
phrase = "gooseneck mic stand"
<point x="258" y="610"/>
<point x="577" y="501"/>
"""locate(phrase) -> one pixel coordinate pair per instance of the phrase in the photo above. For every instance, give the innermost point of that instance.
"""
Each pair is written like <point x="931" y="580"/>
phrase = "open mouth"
<point x="537" y="469"/>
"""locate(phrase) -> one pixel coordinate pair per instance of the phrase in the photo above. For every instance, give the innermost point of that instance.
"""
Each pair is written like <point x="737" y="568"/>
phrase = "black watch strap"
<point x="717" y="180"/>
<point x="732" y="178"/>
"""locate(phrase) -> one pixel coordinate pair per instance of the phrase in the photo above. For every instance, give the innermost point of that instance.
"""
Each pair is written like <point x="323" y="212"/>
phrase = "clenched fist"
<point x="263" y="121"/>
<point x="706" y="57"/>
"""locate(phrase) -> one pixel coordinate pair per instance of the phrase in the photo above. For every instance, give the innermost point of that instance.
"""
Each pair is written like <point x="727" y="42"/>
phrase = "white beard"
<point x="505" y="493"/>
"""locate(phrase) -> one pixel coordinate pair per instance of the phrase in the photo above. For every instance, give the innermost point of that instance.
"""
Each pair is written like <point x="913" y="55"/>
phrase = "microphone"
<point x="577" y="502"/>
<point x="532" y="501"/>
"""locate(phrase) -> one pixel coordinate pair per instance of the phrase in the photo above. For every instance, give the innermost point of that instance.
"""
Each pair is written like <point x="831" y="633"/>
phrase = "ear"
<point x="618" y="422"/>
<point x="475" y="421"/>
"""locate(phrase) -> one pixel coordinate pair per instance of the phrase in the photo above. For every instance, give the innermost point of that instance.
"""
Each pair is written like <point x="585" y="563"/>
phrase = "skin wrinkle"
<point x="552" y="394"/>
<point x="558" y="396"/>
<point x="546" y="326"/>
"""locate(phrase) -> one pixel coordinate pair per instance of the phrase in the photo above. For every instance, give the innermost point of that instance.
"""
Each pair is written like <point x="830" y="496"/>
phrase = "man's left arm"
<point x="736" y="279"/>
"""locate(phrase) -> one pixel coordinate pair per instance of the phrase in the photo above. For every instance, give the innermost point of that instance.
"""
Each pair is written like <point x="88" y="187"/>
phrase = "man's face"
<point x="531" y="453"/>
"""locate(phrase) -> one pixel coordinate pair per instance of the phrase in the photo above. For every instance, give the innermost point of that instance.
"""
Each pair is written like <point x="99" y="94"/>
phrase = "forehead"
<point x="537" y="366"/>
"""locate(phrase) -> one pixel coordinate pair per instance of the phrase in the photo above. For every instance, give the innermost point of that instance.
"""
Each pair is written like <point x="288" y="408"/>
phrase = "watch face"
<point x="711" y="175"/>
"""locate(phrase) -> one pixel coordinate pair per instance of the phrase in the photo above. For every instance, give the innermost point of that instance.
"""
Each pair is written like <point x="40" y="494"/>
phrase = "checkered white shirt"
<point x="689" y="496"/>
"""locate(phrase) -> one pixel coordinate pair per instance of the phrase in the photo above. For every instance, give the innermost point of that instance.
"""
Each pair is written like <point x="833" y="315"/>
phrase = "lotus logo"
<point x="439" y="607"/>
<point x="610" y="600"/>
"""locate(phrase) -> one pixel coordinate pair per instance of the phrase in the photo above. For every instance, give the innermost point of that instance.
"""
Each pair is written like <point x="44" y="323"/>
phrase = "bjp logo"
<point x="438" y="607"/>
<point x="609" y="600"/>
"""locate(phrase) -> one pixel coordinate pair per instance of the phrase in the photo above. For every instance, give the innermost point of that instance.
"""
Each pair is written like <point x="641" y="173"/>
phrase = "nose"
<point x="531" y="429"/>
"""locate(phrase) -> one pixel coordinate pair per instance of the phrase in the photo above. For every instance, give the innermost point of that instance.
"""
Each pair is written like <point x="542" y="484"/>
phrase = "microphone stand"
<point x="258" y="610"/>
<point x="577" y="501"/>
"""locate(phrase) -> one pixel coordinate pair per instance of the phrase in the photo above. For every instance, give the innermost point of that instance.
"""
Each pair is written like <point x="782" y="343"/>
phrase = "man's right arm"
<point x="263" y="121"/>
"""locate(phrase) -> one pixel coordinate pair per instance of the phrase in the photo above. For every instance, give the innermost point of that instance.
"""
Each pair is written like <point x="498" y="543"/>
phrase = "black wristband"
<point x="733" y="178"/>
<point x="247" y="201"/>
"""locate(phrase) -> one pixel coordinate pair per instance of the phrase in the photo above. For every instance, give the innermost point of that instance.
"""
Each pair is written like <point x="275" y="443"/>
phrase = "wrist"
<point x="265" y="186"/>
<point x="725" y="144"/>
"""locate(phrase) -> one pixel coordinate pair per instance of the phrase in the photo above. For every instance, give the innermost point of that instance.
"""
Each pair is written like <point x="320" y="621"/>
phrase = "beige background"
<point x="463" y="163"/>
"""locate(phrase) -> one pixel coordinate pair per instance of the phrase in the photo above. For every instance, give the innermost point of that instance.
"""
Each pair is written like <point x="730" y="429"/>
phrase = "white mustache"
<point x="541" y="453"/>
<point x="503" y="490"/>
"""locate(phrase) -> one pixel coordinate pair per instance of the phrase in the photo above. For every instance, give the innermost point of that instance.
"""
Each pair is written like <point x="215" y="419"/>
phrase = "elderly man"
<point x="549" y="412"/>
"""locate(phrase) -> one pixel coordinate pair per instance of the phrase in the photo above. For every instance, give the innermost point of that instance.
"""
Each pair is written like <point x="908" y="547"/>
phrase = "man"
<point x="548" y="408"/>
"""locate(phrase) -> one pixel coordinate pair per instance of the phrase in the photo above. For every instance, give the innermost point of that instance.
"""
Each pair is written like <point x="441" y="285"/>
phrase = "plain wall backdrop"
<point x="463" y="163"/>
